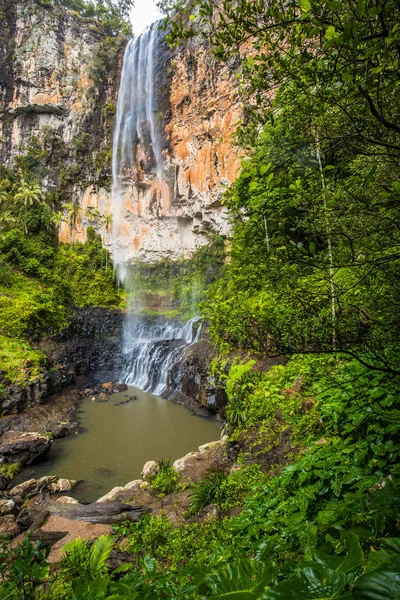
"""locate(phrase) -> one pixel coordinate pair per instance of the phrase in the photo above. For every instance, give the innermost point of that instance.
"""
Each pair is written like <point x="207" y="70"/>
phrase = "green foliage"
<point x="22" y="568"/>
<point x="112" y="15"/>
<point x="166" y="480"/>
<point x="18" y="360"/>
<point x="87" y="269"/>
<point x="180" y="285"/>
<point x="312" y="280"/>
<point x="40" y="279"/>
<point x="150" y="535"/>
<point x="237" y="486"/>
<point x="10" y="470"/>
<point x="81" y="564"/>
<point x="224" y="490"/>
<point x="206" y="491"/>
<point x="242" y="580"/>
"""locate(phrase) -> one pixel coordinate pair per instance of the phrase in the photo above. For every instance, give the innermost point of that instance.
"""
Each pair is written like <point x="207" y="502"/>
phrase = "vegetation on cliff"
<point x="41" y="280"/>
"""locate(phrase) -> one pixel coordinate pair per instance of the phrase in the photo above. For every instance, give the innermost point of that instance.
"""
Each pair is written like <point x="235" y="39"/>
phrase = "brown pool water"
<point x="117" y="440"/>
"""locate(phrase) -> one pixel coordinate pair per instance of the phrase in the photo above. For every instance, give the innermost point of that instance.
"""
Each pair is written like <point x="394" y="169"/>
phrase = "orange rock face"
<point x="51" y="98"/>
<point x="172" y="217"/>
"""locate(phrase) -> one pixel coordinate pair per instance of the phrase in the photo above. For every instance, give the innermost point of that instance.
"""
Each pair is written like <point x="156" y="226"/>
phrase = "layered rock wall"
<point x="55" y="102"/>
<point x="58" y="94"/>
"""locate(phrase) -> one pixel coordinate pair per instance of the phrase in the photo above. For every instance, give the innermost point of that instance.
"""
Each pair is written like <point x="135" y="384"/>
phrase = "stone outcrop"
<point x="24" y="448"/>
<point x="169" y="218"/>
<point x="190" y="382"/>
<point x="15" y="398"/>
<point x="194" y="465"/>
<point x="92" y="341"/>
<point x="150" y="469"/>
<point x="32" y="487"/>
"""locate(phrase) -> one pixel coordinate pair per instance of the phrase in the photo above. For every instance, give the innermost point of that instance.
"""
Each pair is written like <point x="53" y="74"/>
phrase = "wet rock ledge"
<point x="92" y="342"/>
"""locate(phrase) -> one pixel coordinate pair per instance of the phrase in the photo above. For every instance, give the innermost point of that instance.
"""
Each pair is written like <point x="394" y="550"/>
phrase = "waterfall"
<point x="136" y="123"/>
<point x="150" y="348"/>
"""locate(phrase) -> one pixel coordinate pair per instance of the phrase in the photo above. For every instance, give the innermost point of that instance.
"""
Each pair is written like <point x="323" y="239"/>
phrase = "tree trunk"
<point x="329" y="240"/>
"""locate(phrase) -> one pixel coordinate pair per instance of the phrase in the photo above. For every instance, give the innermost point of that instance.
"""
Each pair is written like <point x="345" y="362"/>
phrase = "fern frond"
<point x="99" y="554"/>
<point x="74" y="559"/>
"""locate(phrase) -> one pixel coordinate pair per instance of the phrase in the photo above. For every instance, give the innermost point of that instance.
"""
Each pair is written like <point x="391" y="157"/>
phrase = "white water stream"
<point x="136" y="123"/>
<point x="150" y="348"/>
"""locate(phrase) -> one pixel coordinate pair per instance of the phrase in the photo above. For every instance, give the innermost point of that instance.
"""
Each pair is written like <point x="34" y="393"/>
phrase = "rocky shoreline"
<point x="37" y="506"/>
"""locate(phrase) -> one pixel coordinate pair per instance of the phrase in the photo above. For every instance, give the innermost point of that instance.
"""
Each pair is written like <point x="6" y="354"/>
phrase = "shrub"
<point x="166" y="479"/>
<point x="206" y="491"/>
<point x="82" y="564"/>
<point x="10" y="470"/>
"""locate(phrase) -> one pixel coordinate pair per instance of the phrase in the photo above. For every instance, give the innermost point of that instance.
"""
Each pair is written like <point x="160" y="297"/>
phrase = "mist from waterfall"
<point x="135" y="124"/>
<point x="151" y="347"/>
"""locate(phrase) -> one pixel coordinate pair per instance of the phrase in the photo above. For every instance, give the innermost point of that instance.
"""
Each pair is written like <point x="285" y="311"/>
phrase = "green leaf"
<point x="330" y="33"/>
<point x="265" y="168"/>
<point x="305" y="6"/>
<point x="361" y="6"/>
<point x="355" y="556"/>
<point x="241" y="580"/>
<point x="392" y="543"/>
<point x="381" y="584"/>
<point x="312" y="583"/>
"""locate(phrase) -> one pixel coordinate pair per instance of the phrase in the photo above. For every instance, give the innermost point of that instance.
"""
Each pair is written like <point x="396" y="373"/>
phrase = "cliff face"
<point x="54" y="96"/>
<point x="52" y="101"/>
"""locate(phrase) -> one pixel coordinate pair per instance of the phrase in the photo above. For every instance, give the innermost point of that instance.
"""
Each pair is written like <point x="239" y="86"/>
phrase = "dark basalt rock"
<point x="190" y="384"/>
<point x="59" y="431"/>
<point x="92" y="341"/>
<point x="25" y="448"/>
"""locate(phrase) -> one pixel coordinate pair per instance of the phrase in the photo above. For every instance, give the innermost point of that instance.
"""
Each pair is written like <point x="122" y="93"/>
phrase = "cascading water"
<point x="150" y="349"/>
<point x="135" y="124"/>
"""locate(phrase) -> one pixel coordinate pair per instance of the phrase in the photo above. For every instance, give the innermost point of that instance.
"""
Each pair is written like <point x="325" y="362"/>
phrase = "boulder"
<point x="102" y="397"/>
<point x="120" y="387"/>
<point x="86" y="392"/>
<point x="62" y="485"/>
<point x="33" y="487"/>
<point x="134" y="485"/>
<point x="23" y="489"/>
<point x="212" y="447"/>
<point x="59" y="431"/>
<point x="8" y="526"/>
<point x="67" y="500"/>
<point x="4" y="481"/>
<point x="186" y="462"/>
<point x="150" y="468"/>
<point x="25" y="448"/>
<point x="108" y="386"/>
<point x="7" y="506"/>
<point x="111" y="496"/>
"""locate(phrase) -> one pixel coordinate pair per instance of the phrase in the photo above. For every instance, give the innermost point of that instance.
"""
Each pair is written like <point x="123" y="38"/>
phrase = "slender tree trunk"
<point x="329" y="239"/>
<point x="266" y="232"/>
